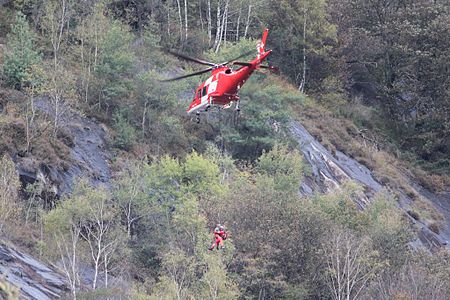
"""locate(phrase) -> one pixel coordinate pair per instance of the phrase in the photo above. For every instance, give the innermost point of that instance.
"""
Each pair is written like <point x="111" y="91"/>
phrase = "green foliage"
<point x="200" y="175"/>
<point x="265" y="115"/>
<point x="281" y="245"/>
<point x="223" y="160"/>
<point x="388" y="230"/>
<point x="189" y="223"/>
<point x="216" y="283"/>
<point x="283" y="166"/>
<point x="309" y="18"/>
<point x="125" y="132"/>
<point x="21" y="55"/>
<point x="9" y="192"/>
<point x="405" y="73"/>
<point x="85" y="228"/>
<point x="341" y="208"/>
<point x="115" y="62"/>
<point x="233" y="50"/>
<point x="8" y="291"/>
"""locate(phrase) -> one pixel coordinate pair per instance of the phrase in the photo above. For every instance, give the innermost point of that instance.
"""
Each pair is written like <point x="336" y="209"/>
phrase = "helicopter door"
<point x="204" y="94"/>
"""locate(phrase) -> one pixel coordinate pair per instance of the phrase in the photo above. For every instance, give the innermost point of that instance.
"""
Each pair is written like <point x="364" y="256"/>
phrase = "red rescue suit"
<point x="219" y="235"/>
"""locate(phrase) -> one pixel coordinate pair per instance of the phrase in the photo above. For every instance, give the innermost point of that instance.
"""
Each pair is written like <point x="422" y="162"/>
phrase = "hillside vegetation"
<point x="366" y="78"/>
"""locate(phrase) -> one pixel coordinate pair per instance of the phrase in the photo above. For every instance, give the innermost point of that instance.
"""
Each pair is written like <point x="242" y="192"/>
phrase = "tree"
<point x="21" y="54"/>
<point x="351" y="264"/>
<point x="264" y="100"/>
<point x="125" y="132"/>
<point x="285" y="167"/>
<point x="115" y="61"/>
<point x="216" y="281"/>
<point x="59" y="82"/>
<point x="422" y="276"/>
<point x="306" y="39"/>
<point x="63" y="226"/>
<point x="100" y="228"/>
<point x="395" y="54"/>
<point x="86" y="216"/>
<point x="9" y="189"/>
<point x="90" y="32"/>
<point x="130" y="193"/>
<point x="201" y="176"/>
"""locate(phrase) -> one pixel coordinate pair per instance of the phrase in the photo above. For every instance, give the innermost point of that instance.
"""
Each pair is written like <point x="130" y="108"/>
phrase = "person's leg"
<point x="219" y="242"/>
<point x="212" y="246"/>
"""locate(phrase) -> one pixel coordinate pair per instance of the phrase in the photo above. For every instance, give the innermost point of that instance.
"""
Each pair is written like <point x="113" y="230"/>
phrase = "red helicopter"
<point x="222" y="87"/>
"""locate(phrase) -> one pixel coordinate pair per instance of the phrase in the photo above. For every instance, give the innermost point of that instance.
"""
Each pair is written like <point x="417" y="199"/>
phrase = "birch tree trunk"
<point x="216" y="41"/>
<point x="226" y="22"/>
<point x="301" y="88"/>
<point x="185" y="20"/>
<point x="144" y="113"/>
<point x="180" y="19"/>
<point x="351" y="264"/>
<point x="96" y="233"/>
<point x="247" y="22"/>
<point x="201" y="15"/>
<point x="221" y="28"/>
<point x="68" y="251"/>
<point x="56" y="15"/>
<point x="209" y="23"/>
<point x="238" y="23"/>
<point x="30" y="127"/>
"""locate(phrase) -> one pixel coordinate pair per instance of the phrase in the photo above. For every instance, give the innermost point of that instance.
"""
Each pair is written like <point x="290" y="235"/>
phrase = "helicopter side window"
<point x="228" y="71"/>
<point x="199" y="94"/>
<point x="204" y="91"/>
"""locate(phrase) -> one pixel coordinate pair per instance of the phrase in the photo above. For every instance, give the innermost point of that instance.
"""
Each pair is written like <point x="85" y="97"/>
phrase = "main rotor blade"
<point x="196" y="60"/>
<point x="242" y="63"/>
<point x="236" y="58"/>
<point x="188" y="75"/>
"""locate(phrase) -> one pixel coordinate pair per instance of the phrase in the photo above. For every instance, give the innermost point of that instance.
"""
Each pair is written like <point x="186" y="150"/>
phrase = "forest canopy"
<point x="369" y="78"/>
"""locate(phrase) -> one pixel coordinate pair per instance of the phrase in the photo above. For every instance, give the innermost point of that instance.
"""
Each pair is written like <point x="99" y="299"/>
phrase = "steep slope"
<point x="330" y="172"/>
<point x="34" y="279"/>
<point x="89" y="157"/>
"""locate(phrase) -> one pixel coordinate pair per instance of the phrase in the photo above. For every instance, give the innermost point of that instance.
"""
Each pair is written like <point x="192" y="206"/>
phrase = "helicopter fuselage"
<point x="222" y="87"/>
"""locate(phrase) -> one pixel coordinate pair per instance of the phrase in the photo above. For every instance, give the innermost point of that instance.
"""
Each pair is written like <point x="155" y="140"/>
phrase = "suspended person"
<point x="220" y="235"/>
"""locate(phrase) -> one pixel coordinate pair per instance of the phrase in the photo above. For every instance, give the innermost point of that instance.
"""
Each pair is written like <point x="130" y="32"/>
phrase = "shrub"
<point x="434" y="227"/>
<point x="21" y="54"/>
<point x="125" y="132"/>
<point x="414" y="214"/>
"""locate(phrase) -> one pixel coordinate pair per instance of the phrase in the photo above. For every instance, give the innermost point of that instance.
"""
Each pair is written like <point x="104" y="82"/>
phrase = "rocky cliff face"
<point x="89" y="157"/>
<point x="34" y="279"/>
<point x="330" y="172"/>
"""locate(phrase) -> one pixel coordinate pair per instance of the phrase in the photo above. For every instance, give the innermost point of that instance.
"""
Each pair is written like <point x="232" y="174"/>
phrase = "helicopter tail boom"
<point x="262" y="44"/>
